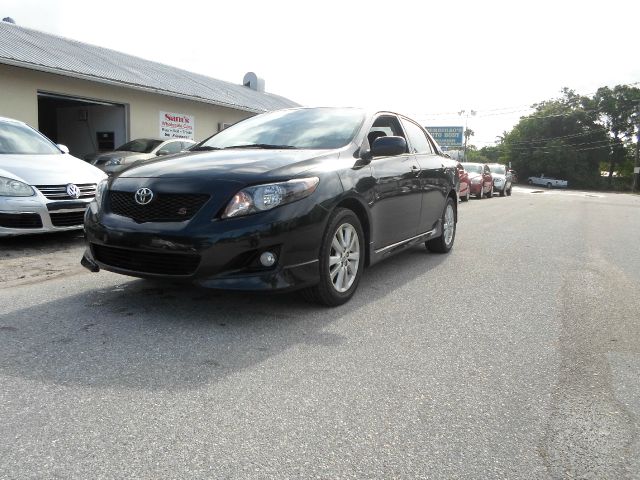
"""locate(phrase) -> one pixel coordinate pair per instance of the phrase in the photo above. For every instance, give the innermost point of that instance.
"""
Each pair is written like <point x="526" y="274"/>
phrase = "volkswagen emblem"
<point x="144" y="196"/>
<point x="73" y="191"/>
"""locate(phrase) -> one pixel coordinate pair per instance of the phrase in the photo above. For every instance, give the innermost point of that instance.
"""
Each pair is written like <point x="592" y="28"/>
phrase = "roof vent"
<point x="252" y="81"/>
<point x="9" y="20"/>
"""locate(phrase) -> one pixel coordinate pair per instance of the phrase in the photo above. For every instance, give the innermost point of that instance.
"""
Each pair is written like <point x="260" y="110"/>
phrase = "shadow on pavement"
<point x="147" y="335"/>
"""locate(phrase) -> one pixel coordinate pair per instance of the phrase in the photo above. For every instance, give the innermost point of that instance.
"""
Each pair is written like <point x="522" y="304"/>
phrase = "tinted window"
<point x="140" y="145"/>
<point x="309" y="128"/>
<point x="20" y="139"/>
<point x="472" y="167"/>
<point x="172" y="147"/>
<point x="417" y="138"/>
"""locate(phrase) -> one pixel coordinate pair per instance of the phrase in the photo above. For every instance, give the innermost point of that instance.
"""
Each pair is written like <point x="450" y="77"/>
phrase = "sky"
<point x="427" y="60"/>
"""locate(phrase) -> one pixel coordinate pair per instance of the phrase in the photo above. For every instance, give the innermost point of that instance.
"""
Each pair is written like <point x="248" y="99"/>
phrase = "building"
<point x="93" y="99"/>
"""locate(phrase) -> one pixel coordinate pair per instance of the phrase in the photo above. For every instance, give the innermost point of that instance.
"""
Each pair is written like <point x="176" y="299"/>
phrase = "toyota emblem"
<point x="144" y="196"/>
<point x="73" y="191"/>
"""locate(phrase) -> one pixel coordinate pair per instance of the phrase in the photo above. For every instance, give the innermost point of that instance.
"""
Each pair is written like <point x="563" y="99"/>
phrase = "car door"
<point x="395" y="212"/>
<point x="433" y="181"/>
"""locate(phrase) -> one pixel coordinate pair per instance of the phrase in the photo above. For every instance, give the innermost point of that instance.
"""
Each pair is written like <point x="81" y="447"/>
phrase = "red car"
<point x="480" y="179"/>
<point x="465" y="185"/>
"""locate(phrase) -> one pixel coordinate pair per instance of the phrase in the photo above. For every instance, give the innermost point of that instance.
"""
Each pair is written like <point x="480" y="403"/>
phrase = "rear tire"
<point x="503" y="192"/>
<point x="509" y="192"/>
<point x="341" y="260"/>
<point x="444" y="243"/>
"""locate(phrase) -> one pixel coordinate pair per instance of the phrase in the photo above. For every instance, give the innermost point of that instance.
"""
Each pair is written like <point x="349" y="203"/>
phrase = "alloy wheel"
<point x="344" y="257"/>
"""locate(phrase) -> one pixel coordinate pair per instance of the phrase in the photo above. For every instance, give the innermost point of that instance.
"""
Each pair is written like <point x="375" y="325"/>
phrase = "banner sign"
<point x="176" y="125"/>
<point x="447" y="136"/>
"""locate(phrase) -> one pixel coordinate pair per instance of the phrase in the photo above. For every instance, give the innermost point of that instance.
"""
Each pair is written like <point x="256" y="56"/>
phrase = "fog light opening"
<point x="268" y="259"/>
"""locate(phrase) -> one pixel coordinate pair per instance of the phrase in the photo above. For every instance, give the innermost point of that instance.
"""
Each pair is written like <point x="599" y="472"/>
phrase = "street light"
<point x="466" y="118"/>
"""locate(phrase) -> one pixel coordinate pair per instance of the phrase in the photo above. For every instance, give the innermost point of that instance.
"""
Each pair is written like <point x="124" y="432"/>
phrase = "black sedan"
<point x="292" y="199"/>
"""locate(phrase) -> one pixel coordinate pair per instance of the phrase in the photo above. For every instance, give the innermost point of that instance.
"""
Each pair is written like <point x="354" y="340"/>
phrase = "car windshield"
<point x="472" y="167"/>
<point x="499" y="169"/>
<point x="140" y="145"/>
<point x="23" y="140"/>
<point x="314" y="128"/>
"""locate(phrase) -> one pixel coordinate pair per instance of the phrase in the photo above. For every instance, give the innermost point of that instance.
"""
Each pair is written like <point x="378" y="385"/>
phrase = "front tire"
<point x="341" y="260"/>
<point x="444" y="243"/>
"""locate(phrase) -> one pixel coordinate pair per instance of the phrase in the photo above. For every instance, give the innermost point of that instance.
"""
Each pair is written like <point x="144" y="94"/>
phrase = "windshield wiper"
<point x="267" y="146"/>
<point x="203" y="148"/>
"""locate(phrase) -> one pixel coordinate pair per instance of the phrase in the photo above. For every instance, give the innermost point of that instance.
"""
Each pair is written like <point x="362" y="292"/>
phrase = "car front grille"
<point x="20" y="220"/>
<point x="164" y="207"/>
<point x="59" y="192"/>
<point x="67" y="219"/>
<point x="146" y="262"/>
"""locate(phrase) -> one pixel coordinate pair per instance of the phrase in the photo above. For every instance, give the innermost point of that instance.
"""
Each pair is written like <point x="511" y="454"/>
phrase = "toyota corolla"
<point x="293" y="199"/>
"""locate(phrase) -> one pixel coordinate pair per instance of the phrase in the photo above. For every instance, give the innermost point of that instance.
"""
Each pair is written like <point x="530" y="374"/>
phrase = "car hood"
<point x="498" y="176"/>
<point x="243" y="165"/>
<point x="56" y="169"/>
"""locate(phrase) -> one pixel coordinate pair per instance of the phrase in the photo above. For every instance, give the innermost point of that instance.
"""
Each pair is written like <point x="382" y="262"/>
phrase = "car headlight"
<point x="100" y="191"/>
<point x="10" y="187"/>
<point x="265" y="197"/>
<point x="476" y="180"/>
<point x="114" y="161"/>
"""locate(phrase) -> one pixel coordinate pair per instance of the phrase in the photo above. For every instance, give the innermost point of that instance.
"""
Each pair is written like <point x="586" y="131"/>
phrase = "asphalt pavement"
<point x="515" y="356"/>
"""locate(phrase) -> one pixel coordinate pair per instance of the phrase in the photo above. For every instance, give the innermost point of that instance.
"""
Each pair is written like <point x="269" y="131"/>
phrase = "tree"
<point x="618" y="111"/>
<point x="467" y="133"/>
<point x="561" y="138"/>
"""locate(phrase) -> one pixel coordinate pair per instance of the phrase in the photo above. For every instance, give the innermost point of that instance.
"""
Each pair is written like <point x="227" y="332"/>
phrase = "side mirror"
<point x="160" y="153"/>
<point x="388" y="146"/>
<point x="63" y="148"/>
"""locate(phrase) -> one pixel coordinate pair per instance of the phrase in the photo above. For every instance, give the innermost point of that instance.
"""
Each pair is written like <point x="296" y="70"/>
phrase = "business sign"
<point x="177" y="125"/>
<point x="447" y="136"/>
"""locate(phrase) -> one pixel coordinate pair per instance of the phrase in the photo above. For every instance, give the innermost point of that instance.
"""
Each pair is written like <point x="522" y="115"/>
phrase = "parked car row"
<point x="482" y="180"/>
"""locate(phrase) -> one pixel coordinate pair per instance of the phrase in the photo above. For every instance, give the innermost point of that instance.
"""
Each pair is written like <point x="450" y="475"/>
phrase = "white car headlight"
<point x="265" y="197"/>
<point x="10" y="187"/>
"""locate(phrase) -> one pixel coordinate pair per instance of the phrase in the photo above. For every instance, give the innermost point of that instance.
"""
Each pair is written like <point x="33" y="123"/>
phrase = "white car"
<point x="42" y="187"/>
<point x="139" y="149"/>
<point x="548" y="182"/>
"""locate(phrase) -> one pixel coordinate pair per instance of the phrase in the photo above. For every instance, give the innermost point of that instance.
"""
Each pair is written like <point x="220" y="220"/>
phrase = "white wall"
<point x="18" y="99"/>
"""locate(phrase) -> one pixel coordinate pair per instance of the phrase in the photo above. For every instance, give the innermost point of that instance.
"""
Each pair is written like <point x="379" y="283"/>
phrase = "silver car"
<point x="139" y="149"/>
<point x="42" y="187"/>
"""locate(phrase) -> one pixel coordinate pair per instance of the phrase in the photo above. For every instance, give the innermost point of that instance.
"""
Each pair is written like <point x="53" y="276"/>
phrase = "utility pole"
<point x="466" y="118"/>
<point x="636" y="168"/>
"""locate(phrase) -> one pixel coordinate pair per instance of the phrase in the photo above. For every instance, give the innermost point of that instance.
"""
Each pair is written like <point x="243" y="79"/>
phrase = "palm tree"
<point x="467" y="133"/>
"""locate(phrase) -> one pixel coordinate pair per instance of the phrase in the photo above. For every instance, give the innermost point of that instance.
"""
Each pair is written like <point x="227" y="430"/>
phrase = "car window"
<point x="313" y="128"/>
<point x="140" y="145"/>
<point x="172" y="147"/>
<point x="385" y="125"/>
<point x="417" y="138"/>
<point x="23" y="140"/>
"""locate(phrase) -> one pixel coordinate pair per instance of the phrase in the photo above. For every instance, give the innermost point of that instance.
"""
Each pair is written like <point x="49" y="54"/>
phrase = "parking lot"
<point x="516" y="356"/>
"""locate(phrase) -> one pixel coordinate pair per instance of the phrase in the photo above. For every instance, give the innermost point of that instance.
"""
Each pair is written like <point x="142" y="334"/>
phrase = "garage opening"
<point x="86" y="127"/>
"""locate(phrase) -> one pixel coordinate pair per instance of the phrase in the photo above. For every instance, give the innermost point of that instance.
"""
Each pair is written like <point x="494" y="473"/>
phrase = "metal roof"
<point x="32" y="49"/>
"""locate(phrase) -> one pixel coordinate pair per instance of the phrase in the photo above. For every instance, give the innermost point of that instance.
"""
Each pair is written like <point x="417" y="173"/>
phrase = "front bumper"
<point x="36" y="214"/>
<point x="213" y="253"/>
